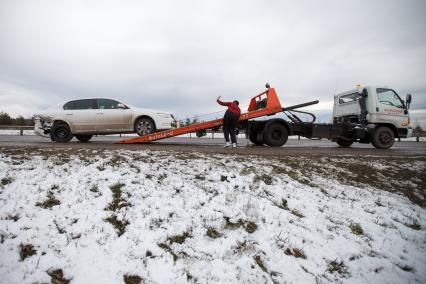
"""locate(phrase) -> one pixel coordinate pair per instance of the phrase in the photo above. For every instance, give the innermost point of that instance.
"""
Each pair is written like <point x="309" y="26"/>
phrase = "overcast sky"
<point x="180" y="55"/>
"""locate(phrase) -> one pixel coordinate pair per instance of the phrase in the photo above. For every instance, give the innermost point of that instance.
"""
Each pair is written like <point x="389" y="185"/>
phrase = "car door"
<point x="113" y="116"/>
<point x="81" y="114"/>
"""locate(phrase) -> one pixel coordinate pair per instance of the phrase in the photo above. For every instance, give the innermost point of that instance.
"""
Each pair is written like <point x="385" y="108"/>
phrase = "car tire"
<point x="383" y="138"/>
<point x="344" y="143"/>
<point x="275" y="135"/>
<point x="83" y="137"/>
<point x="144" y="126"/>
<point x="61" y="133"/>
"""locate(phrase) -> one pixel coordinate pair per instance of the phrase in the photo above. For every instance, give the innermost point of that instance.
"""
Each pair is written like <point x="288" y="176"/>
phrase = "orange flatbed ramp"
<point x="266" y="103"/>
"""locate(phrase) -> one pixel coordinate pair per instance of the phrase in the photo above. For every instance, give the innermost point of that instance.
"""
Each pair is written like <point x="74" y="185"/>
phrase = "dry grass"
<point x="26" y="250"/>
<point x="49" y="202"/>
<point x="213" y="233"/>
<point x="356" y="229"/>
<point x="57" y="277"/>
<point x="132" y="279"/>
<point x="119" y="225"/>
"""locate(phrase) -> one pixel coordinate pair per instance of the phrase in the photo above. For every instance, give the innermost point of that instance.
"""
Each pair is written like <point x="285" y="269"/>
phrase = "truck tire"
<point x="144" y="126"/>
<point x="61" y="133"/>
<point x="275" y="135"/>
<point x="83" y="137"/>
<point x="383" y="138"/>
<point x="344" y="143"/>
<point x="253" y="138"/>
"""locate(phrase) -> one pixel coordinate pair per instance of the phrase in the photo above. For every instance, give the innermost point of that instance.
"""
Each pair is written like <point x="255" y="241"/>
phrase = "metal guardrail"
<point x="21" y="128"/>
<point x="419" y="134"/>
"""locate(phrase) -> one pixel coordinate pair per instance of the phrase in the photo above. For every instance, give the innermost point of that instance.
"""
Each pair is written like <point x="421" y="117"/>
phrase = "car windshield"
<point x="389" y="97"/>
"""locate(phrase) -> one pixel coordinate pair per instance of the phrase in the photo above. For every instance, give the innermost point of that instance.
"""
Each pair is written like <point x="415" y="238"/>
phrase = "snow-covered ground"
<point x="167" y="217"/>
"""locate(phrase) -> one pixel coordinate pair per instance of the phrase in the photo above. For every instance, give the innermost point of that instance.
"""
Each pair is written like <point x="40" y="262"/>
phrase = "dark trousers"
<point x="230" y="121"/>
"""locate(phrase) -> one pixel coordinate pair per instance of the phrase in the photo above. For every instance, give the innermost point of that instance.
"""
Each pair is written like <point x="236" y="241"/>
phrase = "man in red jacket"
<point x="230" y="121"/>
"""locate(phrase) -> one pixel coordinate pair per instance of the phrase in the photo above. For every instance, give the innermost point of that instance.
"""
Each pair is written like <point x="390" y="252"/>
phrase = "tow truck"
<point x="367" y="114"/>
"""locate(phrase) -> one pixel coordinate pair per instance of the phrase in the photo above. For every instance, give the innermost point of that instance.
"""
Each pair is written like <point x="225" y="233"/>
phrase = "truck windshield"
<point x="389" y="97"/>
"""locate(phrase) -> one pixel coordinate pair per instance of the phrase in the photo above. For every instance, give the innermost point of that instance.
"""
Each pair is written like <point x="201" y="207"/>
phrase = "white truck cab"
<point x="378" y="109"/>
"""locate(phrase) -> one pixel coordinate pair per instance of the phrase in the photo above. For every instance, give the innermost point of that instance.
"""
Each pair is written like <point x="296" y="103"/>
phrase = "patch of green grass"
<point x="26" y="250"/>
<point x="49" y="202"/>
<point x="213" y="233"/>
<point x="356" y="229"/>
<point x="119" y="225"/>
<point x="57" y="277"/>
<point x="132" y="279"/>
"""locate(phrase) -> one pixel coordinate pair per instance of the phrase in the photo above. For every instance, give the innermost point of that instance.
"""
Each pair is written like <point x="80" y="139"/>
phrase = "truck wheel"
<point x="61" y="133"/>
<point x="383" y="138"/>
<point x="144" y="126"/>
<point x="83" y="137"/>
<point x="344" y="143"/>
<point x="253" y="139"/>
<point x="275" y="135"/>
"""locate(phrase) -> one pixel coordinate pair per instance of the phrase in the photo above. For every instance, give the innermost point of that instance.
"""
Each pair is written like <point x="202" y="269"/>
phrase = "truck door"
<point x="113" y="118"/>
<point x="391" y="108"/>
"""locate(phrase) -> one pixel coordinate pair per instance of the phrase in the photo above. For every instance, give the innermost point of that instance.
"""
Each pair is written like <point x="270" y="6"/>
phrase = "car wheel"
<point x="383" y="138"/>
<point x="61" y="133"/>
<point x="144" y="126"/>
<point x="344" y="143"/>
<point x="275" y="135"/>
<point x="83" y="137"/>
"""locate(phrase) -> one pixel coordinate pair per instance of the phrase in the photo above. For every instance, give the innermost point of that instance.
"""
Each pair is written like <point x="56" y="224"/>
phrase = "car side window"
<point x="85" y="104"/>
<point x="69" y="105"/>
<point x="107" y="104"/>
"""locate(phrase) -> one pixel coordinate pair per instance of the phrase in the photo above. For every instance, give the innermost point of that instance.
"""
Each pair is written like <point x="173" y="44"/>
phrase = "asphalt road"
<point x="293" y="147"/>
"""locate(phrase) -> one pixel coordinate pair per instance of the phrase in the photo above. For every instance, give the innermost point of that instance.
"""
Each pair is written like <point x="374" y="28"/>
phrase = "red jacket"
<point x="232" y="107"/>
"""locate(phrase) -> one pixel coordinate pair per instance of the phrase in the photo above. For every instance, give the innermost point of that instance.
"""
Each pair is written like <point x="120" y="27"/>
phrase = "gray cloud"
<point x="180" y="55"/>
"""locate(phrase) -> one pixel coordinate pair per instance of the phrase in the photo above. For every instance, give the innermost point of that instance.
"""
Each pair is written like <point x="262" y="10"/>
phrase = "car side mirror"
<point x="121" y="106"/>
<point x="408" y="101"/>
